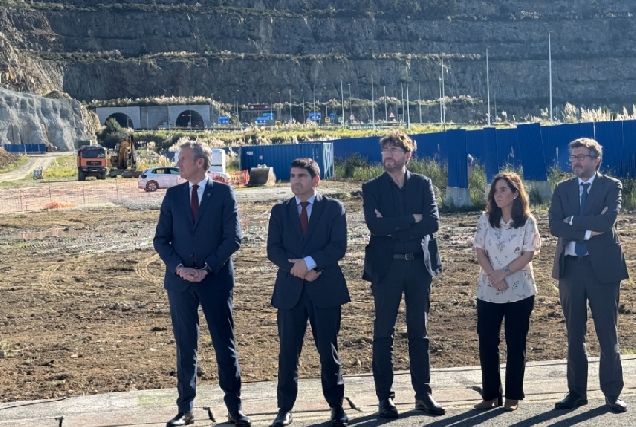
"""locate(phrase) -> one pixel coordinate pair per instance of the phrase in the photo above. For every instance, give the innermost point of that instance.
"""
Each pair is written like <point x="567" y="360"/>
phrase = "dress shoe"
<point x="616" y="404"/>
<point x="429" y="405"/>
<point x="283" y="418"/>
<point x="387" y="409"/>
<point x="239" y="418"/>
<point x="181" y="419"/>
<point x="338" y="417"/>
<point x="571" y="401"/>
<point x="511" y="405"/>
<point x="489" y="404"/>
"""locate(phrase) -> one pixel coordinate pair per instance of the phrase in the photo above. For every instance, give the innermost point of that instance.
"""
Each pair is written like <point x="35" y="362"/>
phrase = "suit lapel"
<point x="596" y="194"/>
<point x="205" y="199"/>
<point x="574" y="196"/>
<point x="388" y="208"/>
<point x="185" y="194"/>
<point x="316" y="212"/>
<point x="294" y="218"/>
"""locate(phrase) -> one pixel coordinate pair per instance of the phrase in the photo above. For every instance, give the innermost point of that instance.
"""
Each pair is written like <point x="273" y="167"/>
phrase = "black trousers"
<point x="412" y="279"/>
<point x="489" y="318"/>
<point x="325" y="325"/>
<point x="577" y="287"/>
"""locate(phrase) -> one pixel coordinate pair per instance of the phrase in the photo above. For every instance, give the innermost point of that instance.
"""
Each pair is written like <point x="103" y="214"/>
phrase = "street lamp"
<point x="290" y="112"/>
<point x="237" y="109"/>
<point x="303" y="92"/>
<point x="350" y="106"/>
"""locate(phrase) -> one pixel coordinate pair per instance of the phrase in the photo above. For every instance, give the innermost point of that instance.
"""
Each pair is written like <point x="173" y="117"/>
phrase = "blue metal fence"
<point x="25" y="148"/>
<point x="457" y="158"/>
<point x="531" y="152"/>
<point x="280" y="156"/>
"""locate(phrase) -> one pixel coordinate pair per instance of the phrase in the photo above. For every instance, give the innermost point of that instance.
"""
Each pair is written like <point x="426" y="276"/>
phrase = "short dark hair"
<point x="308" y="164"/>
<point x="595" y="149"/>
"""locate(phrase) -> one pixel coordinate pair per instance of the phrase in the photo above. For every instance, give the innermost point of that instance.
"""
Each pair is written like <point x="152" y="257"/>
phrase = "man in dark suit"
<point x="307" y="237"/>
<point x="589" y="265"/>
<point x="197" y="233"/>
<point x="401" y="258"/>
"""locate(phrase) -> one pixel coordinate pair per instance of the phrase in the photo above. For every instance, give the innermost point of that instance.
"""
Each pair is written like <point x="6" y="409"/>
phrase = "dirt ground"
<point x="83" y="309"/>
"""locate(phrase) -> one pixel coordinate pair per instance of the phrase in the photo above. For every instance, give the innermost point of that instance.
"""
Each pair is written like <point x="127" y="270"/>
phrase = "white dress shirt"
<point x="569" y="249"/>
<point x="201" y="188"/>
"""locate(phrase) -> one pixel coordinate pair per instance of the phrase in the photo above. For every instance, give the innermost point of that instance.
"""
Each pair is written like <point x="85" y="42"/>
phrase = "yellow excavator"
<point x="123" y="160"/>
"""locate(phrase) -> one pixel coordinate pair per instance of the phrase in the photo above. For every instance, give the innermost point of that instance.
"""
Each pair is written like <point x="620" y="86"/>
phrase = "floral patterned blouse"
<point x="503" y="245"/>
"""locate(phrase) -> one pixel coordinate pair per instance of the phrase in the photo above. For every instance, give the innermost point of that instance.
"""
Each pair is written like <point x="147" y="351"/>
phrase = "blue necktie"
<point x="580" y="248"/>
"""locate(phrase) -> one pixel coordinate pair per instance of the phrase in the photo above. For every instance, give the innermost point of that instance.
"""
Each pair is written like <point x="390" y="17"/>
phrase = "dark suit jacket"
<point x="385" y="231"/>
<point x="606" y="254"/>
<point x="325" y="242"/>
<point x="211" y="239"/>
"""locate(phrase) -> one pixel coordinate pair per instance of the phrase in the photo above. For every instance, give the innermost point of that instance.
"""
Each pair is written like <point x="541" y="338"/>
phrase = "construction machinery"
<point x="91" y="161"/>
<point x="123" y="160"/>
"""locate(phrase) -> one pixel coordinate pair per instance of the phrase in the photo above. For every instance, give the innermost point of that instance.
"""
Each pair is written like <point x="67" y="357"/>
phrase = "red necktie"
<point x="194" y="201"/>
<point x="304" y="219"/>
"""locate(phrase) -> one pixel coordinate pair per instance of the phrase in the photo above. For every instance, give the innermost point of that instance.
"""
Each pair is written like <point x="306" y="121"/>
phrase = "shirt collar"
<point x="311" y="200"/>
<point x="589" y="181"/>
<point x="201" y="184"/>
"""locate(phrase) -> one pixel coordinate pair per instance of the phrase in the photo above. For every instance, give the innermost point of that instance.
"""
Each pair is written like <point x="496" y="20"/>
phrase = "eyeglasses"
<point x="580" y="157"/>
<point x="392" y="151"/>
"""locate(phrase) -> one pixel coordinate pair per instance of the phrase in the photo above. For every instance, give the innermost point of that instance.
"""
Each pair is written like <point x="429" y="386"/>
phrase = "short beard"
<point x="398" y="166"/>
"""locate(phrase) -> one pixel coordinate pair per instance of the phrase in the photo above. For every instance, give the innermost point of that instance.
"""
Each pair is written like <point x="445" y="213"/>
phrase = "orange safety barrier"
<point x="240" y="178"/>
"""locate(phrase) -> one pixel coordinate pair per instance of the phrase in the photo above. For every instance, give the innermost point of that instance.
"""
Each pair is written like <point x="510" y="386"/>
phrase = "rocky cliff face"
<point x="249" y="50"/>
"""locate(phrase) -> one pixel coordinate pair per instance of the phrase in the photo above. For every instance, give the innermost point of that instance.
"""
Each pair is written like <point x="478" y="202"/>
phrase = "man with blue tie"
<point x="197" y="233"/>
<point x="307" y="236"/>
<point x="589" y="265"/>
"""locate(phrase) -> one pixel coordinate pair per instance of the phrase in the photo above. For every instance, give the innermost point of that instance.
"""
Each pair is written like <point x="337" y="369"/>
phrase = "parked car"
<point x="162" y="177"/>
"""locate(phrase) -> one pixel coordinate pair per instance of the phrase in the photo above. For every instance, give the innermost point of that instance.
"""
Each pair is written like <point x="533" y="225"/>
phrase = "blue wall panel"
<point x="610" y="136"/>
<point x="556" y="140"/>
<point x="280" y="156"/>
<point x="508" y="148"/>
<point x="475" y="145"/>
<point x="490" y="158"/>
<point x="457" y="158"/>
<point x="432" y="146"/>
<point x="629" y="149"/>
<point x="365" y="147"/>
<point x="531" y="152"/>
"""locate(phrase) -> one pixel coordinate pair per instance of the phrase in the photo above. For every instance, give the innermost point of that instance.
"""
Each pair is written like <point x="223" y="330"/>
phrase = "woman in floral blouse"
<point x="506" y="240"/>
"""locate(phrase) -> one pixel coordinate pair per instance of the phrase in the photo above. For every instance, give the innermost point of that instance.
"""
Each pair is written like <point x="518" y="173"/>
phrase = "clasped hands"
<point x="300" y="270"/>
<point x="496" y="280"/>
<point x="194" y="275"/>
<point x="592" y="232"/>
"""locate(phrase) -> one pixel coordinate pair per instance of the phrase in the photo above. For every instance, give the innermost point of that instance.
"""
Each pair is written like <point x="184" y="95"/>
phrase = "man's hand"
<point x="566" y="219"/>
<point x="194" y="275"/>
<point x="312" y="275"/>
<point x="378" y="214"/>
<point x="596" y="233"/>
<point x="418" y="217"/>
<point x="604" y="210"/>
<point x="300" y="268"/>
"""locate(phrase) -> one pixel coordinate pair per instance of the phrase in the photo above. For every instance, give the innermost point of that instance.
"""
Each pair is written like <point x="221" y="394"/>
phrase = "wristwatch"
<point x="506" y="270"/>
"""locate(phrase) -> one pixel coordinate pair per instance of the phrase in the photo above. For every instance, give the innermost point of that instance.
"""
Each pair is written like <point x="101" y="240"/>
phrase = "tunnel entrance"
<point x="190" y="118"/>
<point x="124" y="120"/>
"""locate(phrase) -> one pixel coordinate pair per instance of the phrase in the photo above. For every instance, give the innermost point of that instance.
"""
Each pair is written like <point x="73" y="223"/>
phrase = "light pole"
<point x="350" y="106"/>
<point x="314" y="111"/>
<point x="372" y="105"/>
<point x="290" y="113"/>
<point x="303" y="92"/>
<point x="419" y="99"/>
<point x="280" y="106"/>
<point x="237" y="109"/>
<point x="386" y="117"/>
<point x="342" y="103"/>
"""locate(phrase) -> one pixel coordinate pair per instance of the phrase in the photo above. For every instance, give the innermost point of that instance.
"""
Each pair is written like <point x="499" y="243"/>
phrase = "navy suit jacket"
<point x="606" y="254"/>
<point x="385" y="231"/>
<point x="325" y="241"/>
<point x="212" y="238"/>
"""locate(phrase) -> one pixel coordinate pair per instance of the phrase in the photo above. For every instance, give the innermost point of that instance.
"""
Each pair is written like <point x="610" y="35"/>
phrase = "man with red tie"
<point x="307" y="237"/>
<point x="197" y="233"/>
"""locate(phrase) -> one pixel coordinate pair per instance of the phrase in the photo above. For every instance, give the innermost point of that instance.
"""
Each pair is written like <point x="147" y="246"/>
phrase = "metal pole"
<point x="372" y="105"/>
<point x="408" y="110"/>
<point x="386" y="116"/>
<point x="290" y="112"/>
<point x="314" y="100"/>
<point x="488" y="86"/>
<point x="441" y="115"/>
<point x="303" y="92"/>
<point x="550" y="67"/>
<point x="443" y="93"/>
<point x="419" y="99"/>
<point x="350" y="105"/>
<point x="342" y="102"/>
<point x="402" y="100"/>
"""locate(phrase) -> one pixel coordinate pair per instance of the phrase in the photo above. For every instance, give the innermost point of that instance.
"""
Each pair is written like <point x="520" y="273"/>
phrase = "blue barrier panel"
<point x="475" y="145"/>
<point x="432" y="145"/>
<point x="457" y="158"/>
<point x="15" y="148"/>
<point x="42" y="148"/>
<point x="280" y="156"/>
<point x="556" y="139"/>
<point x="365" y="147"/>
<point x="628" y="168"/>
<point x="490" y="148"/>
<point x="610" y="136"/>
<point x="531" y="152"/>
<point x="508" y="148"/>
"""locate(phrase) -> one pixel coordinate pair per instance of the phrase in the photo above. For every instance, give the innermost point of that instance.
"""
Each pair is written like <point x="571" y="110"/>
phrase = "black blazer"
<point x="325" y="242"/>
<point x="606" y="254"/>
<point x="211" y="239"/>
<point x="385" y="231"/>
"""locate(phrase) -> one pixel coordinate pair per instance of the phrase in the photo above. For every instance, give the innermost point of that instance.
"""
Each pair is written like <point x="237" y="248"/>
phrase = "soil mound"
<point x="6" y="159"/>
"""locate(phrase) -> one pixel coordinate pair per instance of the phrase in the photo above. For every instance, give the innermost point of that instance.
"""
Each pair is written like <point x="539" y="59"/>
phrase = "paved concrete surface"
<point x="455" y="388"/>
